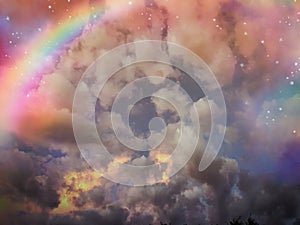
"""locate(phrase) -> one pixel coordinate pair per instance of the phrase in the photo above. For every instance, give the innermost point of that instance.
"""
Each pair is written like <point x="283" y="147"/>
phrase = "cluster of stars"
<point x="217" y="25"/>
<point x="295" y="70"/>
<point x="272" y="115"/>
<point x="289" y="20"/>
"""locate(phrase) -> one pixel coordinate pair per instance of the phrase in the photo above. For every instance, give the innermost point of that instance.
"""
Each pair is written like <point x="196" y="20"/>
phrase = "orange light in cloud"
<point x="76" y="183"/>
<point x="161" y="157"/>
<point x="165" y="178"/>
<point x="123" y="159"/>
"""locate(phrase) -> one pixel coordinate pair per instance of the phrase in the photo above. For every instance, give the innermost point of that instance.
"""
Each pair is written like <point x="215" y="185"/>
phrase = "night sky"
<point x="252" y="47"/>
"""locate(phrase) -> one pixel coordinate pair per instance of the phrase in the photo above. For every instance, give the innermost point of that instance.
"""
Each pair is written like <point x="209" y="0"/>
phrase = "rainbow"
<point x="34" y="57"/>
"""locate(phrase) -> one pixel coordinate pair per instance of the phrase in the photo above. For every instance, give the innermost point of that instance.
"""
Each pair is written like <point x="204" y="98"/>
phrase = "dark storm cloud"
<point x="109" y="215"/>
<point x="96" y="197"/>
<point x="24" y="217"/>
<point x="289" y="162"/>
<point x="214" y="196"/>
<point x="20" y="172"/>
<point x="141" y="218"/>
<point x="39" y="150"/>
<point x="240" y="193"/>
<point x="268" y="199"/>
<point x="221" y="178"/>
<point x="177" y="202"/>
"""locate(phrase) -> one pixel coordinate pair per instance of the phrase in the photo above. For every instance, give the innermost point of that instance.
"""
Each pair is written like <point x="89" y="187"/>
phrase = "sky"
<point x="251" y="46"/>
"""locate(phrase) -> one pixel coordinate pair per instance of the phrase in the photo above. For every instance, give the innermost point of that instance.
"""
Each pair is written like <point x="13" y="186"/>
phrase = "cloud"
<point x="26" y="193"/>
<point x="107" y="215"/>
<point x="265" y="198"/>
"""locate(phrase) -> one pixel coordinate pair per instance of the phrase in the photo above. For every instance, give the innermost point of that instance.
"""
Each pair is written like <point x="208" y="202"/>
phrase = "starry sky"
<point x="252" y="47"/>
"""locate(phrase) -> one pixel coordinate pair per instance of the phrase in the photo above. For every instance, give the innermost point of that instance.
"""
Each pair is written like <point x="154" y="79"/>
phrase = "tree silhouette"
<point x="234" y="221"/>
<point x="238" y="221"/>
